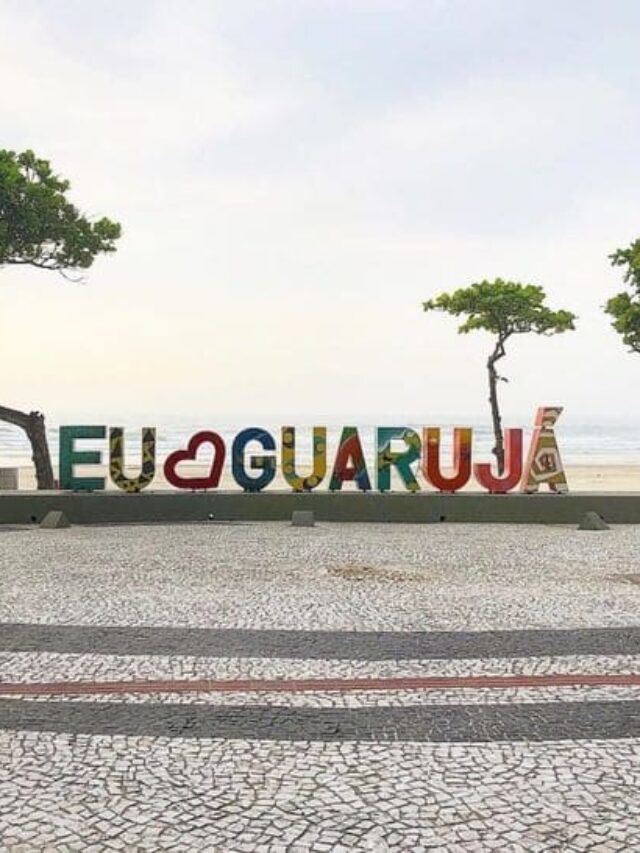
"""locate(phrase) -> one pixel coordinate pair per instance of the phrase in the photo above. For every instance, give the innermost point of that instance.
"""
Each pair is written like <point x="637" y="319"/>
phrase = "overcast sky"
<point x="294" y="178"/>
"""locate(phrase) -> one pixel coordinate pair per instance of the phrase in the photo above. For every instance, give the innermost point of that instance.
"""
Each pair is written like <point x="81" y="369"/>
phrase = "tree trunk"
<point x="498" y="448"/>
<point x="33" y="424"/>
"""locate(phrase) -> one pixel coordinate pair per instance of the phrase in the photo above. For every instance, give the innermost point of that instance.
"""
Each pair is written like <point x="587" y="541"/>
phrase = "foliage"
<point x="624" y="308"/>
<point x="503" y="308"/>
<point x="629" y="258"/>
<point x="39" y="227"/>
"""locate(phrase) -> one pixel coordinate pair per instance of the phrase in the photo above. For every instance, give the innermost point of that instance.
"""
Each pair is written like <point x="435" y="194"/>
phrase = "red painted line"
<point x="318" y="685"/>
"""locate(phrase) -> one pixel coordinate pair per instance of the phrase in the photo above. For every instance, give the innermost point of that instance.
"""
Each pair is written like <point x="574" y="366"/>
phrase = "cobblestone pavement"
<point x="456" y="768"/>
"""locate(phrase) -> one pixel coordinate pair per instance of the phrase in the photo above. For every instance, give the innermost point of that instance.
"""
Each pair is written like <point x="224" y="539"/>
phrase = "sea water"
<point x="579" y="444"/>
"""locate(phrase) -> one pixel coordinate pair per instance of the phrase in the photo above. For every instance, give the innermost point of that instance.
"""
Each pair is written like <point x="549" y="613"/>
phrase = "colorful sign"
<point x="544" y="465"/>
<point x="399" y="451"/>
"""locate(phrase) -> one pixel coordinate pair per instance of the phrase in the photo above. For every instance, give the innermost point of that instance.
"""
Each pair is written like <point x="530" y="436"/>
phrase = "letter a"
<point x="349" y="463"/>
<point x="544" y="464"/>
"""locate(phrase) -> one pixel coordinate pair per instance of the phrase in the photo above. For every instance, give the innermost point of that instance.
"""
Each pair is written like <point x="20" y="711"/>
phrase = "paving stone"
<point x="544" y="605"/>
<point x="461" y="578"/>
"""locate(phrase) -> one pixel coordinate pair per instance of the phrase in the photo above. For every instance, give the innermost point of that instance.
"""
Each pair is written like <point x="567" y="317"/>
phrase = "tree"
<point x="502" y="308"/>
<point x="624" y="308"/>
<point x="40" y="228"/>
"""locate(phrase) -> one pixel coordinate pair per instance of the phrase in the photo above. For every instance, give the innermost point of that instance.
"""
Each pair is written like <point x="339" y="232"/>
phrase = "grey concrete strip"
<point x="442" y="724"/>
<point x="316" y="645"/>
<point x="423" y="507"/>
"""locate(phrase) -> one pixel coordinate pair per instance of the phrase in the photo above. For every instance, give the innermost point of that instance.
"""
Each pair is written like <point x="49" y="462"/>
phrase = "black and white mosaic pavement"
<point x="456" y="768"/>
<point x="318" y="645"/>
<point x="453" y="723"/>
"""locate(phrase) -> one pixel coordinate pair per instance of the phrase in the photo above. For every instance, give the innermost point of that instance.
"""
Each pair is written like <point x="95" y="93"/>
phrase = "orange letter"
<point x="461" y="459"/>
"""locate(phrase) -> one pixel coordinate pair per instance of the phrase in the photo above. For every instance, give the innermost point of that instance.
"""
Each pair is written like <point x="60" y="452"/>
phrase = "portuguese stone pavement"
<point x="250" y="687"/>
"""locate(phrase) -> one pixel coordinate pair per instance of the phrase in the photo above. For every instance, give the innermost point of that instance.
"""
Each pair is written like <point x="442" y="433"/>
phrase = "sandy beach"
<point x="581" y="478"/>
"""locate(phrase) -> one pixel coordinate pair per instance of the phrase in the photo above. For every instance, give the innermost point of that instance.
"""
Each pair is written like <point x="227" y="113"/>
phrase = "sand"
<point x="581" y="478"/>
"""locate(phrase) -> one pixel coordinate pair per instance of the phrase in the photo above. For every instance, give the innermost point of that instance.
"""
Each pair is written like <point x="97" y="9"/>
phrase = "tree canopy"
<point x="624" y="308"/>
<point x="39" y="227"/>
<point x="503" y="308"/>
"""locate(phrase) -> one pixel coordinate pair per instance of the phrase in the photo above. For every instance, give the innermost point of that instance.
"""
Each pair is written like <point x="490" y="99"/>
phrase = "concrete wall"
<point x="118" y="507"/>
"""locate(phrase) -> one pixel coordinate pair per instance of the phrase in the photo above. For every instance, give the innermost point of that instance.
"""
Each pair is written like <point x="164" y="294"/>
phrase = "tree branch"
<point x="15" y="417"/>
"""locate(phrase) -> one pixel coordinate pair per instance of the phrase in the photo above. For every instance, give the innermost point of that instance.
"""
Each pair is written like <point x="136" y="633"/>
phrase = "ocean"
<point x="579" y="444"/>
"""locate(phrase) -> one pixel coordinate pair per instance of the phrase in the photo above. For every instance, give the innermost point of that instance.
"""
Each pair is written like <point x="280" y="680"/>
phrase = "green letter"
<point x="69" y="457"/>
<point x="387" y="458"/>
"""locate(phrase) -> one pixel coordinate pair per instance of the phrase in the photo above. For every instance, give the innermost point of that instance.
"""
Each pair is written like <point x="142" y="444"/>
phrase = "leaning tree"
<point x="39" y="227"/>
<point x="504" y="309"/>
<point x="624" y="307"/>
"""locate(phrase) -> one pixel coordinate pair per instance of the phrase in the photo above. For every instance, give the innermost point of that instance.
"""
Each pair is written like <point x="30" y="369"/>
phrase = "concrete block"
<point x="302" y="518"/>
<point x="111" y="507"/>
<point x="54" y="520"/>
<point x="592" y="521"/>
<point x="9" y="478"/>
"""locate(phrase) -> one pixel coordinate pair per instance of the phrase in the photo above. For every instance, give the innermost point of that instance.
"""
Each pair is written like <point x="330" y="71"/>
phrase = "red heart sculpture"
<point x="174" y="459"/>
